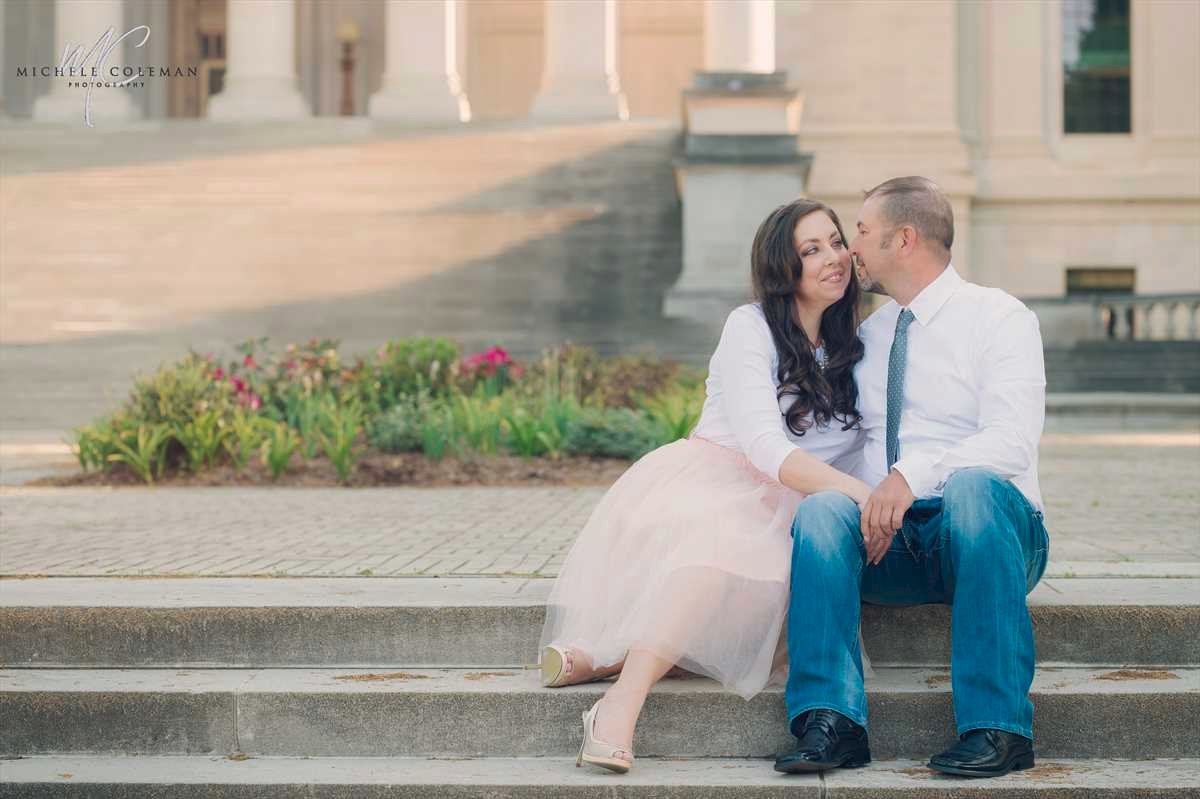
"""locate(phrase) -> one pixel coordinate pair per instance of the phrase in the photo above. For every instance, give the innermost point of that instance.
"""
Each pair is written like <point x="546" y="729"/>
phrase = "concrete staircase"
<point x="340" y="687"/>
<point x="1129" y="366"/>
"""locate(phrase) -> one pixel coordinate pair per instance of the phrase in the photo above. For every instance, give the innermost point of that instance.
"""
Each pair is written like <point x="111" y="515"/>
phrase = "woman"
<point x="685" y="561"/>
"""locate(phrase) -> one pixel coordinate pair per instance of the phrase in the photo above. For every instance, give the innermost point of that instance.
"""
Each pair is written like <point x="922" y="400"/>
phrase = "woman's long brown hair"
<point x="828" y="393"/>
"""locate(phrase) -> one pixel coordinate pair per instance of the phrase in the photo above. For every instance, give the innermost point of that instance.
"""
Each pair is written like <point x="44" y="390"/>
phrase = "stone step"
<point x="1135" y="366"/>
<point x="1084" y="713"/>
<point x="547" y="778"/>
<point x="264" y="622"/>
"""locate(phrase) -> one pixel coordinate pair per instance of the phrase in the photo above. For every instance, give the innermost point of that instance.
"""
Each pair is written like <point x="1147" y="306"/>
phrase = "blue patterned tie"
<point x="895" y="385"/>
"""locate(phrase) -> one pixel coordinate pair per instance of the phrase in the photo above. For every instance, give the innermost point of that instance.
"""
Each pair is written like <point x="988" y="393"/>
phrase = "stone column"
<point x="739" y="36"/>
<point x="741" y="157"/>
<point x="260" y="77"/>
<point x="579" y="75"/>
<point x="78" y="25"/>
<point x="422" y="79"/>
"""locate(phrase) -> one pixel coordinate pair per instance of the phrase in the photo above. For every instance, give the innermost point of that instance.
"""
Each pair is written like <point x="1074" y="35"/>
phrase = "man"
<point x="952" y="394"/>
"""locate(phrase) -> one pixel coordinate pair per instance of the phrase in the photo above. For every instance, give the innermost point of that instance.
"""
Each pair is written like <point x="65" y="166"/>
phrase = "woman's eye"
<point x="838" y="243"/>
<point x="808" y="252"/>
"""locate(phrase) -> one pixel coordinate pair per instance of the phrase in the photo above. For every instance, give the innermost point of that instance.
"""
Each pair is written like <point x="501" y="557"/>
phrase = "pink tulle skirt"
<point x="688" y="555"/>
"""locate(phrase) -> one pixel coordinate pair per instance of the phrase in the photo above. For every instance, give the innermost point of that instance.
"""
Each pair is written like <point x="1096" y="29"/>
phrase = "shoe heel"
<point x="858" y="762"/>
<point x="1023" y="763"/>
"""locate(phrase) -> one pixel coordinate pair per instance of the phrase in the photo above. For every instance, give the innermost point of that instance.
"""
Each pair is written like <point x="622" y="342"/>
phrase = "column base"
<point x="424" y="103"/>
<point x="724" y="202"/>
<point x="66" y="106"/>
<point x="741" y="103"/>
<point x="703" y="304"/>
<point x="252" y="100"/>
<point x="579" y="103"/>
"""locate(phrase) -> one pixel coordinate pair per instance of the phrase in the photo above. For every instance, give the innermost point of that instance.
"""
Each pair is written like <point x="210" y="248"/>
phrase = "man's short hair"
<point x="918" y="202"/>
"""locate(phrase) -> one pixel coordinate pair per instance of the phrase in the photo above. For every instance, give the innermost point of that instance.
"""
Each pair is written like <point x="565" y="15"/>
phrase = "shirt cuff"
<point x="771" y="461"/>
<point x="920" y="474"/>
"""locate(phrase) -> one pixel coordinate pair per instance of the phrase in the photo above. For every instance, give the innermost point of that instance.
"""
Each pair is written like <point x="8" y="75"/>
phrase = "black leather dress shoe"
<point x="827" y="740"/>
<point x="985" y="753"/>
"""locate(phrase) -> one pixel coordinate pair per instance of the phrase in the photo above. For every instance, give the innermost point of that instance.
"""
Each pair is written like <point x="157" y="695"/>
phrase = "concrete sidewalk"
<point x="1118" y="504"/>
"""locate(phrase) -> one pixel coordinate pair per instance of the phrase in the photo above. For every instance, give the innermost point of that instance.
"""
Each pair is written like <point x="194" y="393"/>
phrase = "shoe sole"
<point x="802" y="767"/>
<point x="1019" y="764"/>
<point x="552" y="668"/>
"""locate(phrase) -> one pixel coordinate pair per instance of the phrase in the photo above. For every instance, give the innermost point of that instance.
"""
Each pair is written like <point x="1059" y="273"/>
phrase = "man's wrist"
<point x="917" y="475"/>
<point x="903" y="479"/>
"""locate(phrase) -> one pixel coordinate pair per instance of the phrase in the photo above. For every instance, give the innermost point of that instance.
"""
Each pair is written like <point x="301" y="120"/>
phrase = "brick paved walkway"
<point x="1128" y="507"/>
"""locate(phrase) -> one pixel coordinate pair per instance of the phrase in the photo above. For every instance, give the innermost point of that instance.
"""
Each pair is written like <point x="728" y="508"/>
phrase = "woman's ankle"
<point x="580" y="667"/>
<point x="617" y="718"/>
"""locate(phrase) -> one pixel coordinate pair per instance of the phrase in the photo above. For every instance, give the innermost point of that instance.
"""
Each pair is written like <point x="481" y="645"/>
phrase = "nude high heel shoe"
<point x="600" y="753"/>
<point x="554" y="667"/>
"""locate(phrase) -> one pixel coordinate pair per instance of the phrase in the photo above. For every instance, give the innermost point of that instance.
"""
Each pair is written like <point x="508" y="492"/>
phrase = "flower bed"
<point x="415" y="412"/>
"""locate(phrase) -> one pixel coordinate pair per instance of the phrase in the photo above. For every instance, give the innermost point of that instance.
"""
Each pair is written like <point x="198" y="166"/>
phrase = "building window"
<point x="1095" y="47"/>
<point x="1087" y="281"/>
<point x="212" y="45"/>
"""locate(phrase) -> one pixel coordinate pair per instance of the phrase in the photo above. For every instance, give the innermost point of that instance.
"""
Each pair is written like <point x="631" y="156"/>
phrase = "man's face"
<point x="871" y="248"/>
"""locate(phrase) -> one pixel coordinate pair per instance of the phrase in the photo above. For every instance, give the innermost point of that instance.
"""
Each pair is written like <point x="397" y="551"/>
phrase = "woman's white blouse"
<point x="740" y="406"/>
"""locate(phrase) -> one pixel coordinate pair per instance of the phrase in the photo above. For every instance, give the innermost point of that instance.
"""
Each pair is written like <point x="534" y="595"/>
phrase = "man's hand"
<point x="884" y="513"/>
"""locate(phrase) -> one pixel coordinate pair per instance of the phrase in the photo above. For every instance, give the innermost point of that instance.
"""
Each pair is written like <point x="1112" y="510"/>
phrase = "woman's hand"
<point x="884" y="515"/>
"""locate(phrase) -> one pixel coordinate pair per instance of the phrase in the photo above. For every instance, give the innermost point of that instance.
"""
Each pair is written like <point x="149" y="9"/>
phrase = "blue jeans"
<point x="980" y="548"/>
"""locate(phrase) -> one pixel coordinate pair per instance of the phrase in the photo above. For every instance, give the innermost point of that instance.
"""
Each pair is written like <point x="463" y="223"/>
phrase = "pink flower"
<point x="239" y="385"/>
<point x="255" y="402"/>
<point x="218" y="373"/>
<point x="249" y="363"/>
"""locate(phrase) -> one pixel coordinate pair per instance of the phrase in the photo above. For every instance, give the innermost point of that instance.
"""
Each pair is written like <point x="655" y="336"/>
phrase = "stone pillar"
<point x="260" y="77"/>
<point x="579" y="75"/>
<point x="739" y="36"/>
<point x="78" y="25"/>
<point x="741" y="157"/>
<point x="422" y="79"/>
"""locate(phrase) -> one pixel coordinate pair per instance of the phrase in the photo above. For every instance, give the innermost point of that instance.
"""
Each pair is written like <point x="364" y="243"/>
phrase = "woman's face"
<point x="824" y="260"/>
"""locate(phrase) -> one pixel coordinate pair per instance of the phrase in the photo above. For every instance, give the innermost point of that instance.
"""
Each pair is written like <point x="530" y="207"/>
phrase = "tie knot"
<point x="906" y="317"/>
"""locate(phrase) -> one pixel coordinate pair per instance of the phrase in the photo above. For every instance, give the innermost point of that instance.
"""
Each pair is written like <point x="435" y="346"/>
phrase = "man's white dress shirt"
<point x="741" y="409"/>
<point x="974" y="388"/>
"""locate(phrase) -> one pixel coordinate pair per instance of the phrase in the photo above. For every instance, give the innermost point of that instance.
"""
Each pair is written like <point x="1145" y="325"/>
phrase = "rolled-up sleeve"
<point x="744" y="355"/>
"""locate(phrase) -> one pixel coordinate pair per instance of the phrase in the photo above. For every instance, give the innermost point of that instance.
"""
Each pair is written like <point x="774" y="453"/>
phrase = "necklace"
<point x="822" y="357"/>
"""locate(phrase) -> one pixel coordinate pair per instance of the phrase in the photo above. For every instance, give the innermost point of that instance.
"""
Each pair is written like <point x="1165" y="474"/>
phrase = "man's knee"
<point x="972" y="492"/>
<point x="827" y="521"/>
<point x="976" y="485"/>
<point x="971" y="500"/>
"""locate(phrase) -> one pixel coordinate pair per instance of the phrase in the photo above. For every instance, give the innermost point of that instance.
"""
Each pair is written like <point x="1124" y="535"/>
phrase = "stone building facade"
<point x="1067" y="132"/>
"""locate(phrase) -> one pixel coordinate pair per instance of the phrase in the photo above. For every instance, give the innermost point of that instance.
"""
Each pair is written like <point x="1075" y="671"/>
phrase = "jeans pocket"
<point x="1040" y="556"/>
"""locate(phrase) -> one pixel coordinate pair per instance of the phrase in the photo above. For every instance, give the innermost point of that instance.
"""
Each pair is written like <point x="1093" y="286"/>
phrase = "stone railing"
<point x="1126" y="317"/>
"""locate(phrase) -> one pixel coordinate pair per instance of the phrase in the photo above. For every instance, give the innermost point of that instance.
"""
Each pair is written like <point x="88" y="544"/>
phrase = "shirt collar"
<point x="931" y="299"/>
